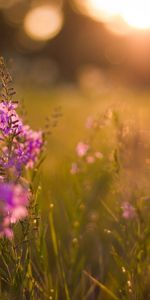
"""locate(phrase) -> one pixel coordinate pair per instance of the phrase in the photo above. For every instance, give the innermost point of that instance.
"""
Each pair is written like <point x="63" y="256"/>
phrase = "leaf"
<point x="103" y="287"/>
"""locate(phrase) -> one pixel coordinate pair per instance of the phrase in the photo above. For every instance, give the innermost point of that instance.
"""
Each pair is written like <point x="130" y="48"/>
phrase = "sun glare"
<point x="99" y="9"/>
<point x="43" y="22"/>
<point x="135" y="13"/>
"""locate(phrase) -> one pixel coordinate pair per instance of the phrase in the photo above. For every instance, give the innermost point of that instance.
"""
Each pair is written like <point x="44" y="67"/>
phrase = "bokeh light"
<point x="100" y="10"/>
<point x="137" y="13"/>
<point x="43" y="22"/>
<point x="134" y="13"/>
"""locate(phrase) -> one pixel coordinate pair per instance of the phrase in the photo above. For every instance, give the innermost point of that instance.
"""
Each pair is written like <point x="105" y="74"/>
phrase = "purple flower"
<point x="33" y="142"/>
<point x="25" y="150"/>
<point x="82" y="149"/>
<point x="20" y="148"/>
<point x="13" y="206"/>
<point x="128" y="211"/>
<point x="10" y="123"/>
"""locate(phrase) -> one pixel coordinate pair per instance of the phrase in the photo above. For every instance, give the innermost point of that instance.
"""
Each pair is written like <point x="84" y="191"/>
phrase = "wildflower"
<point x="90" y="159"/>
<point x="128" y="211"/>
<point x="13" y="206"/>
<point x="82" y="149"/>
<point x="20" y="147"/>
<point x="89" y="122"/>
<point x="33" y="142"/>
<point x="74" y="168"/>
<point x="98" y="155"/>
<point x="25" y="150"/>
<point x="10" y="123"/>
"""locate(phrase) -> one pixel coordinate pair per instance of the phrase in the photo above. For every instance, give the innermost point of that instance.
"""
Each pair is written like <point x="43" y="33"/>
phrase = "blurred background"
<point x="88" y="42"/>
<point x="82" y="55"/>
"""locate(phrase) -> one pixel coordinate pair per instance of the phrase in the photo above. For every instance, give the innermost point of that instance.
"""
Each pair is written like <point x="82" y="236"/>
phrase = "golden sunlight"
<point x="43" y="22"/>
<point x="100" y="10"/>
<point x="135" y="13"/>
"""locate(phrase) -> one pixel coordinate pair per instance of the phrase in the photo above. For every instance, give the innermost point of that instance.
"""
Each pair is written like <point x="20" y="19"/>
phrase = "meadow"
<point x="87" y="233"/>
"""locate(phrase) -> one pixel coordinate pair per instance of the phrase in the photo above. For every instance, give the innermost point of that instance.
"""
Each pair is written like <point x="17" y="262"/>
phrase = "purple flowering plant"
<point x="20" y="148"/>
<point x="111" y="167"/>
<point x="23" y="227"/>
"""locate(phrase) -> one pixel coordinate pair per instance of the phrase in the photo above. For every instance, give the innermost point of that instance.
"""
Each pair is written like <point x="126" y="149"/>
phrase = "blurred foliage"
<point x="76" y="244"/>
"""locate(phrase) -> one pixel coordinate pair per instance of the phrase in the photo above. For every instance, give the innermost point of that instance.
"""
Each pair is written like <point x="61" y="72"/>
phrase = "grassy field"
<point x="76" y="106"/>
<point x="90" y="239"/>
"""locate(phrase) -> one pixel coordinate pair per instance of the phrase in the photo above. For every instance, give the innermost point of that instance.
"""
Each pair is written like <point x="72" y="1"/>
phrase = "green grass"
<point x="82" y="248"/>
<point x="76" y="106"/>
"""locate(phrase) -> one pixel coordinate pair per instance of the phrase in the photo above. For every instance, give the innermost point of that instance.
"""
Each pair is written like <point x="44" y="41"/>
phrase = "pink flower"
<point x="13" y="206"/>
<point x="82" y="149"/>
<point x="128" y="211"/>
<point x="74" y="168"/>
<point x="18" y="213"/>
<point x="89" y="122"/>
<point x="98" y="155"/>
<point x="90" y="159"/>
<point x="7" y="232"/>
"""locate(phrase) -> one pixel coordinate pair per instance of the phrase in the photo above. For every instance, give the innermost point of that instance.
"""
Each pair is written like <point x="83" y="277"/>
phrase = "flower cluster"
<point x="99" y="122"/>
<point x="84" y="151"/>
<point x="20" y="148"/>
<point x="10" y="123"/>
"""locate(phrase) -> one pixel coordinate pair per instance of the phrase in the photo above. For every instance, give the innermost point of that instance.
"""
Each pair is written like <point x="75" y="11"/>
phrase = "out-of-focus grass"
<point x="76" y="106"/>
<point x="81" y="233"/>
